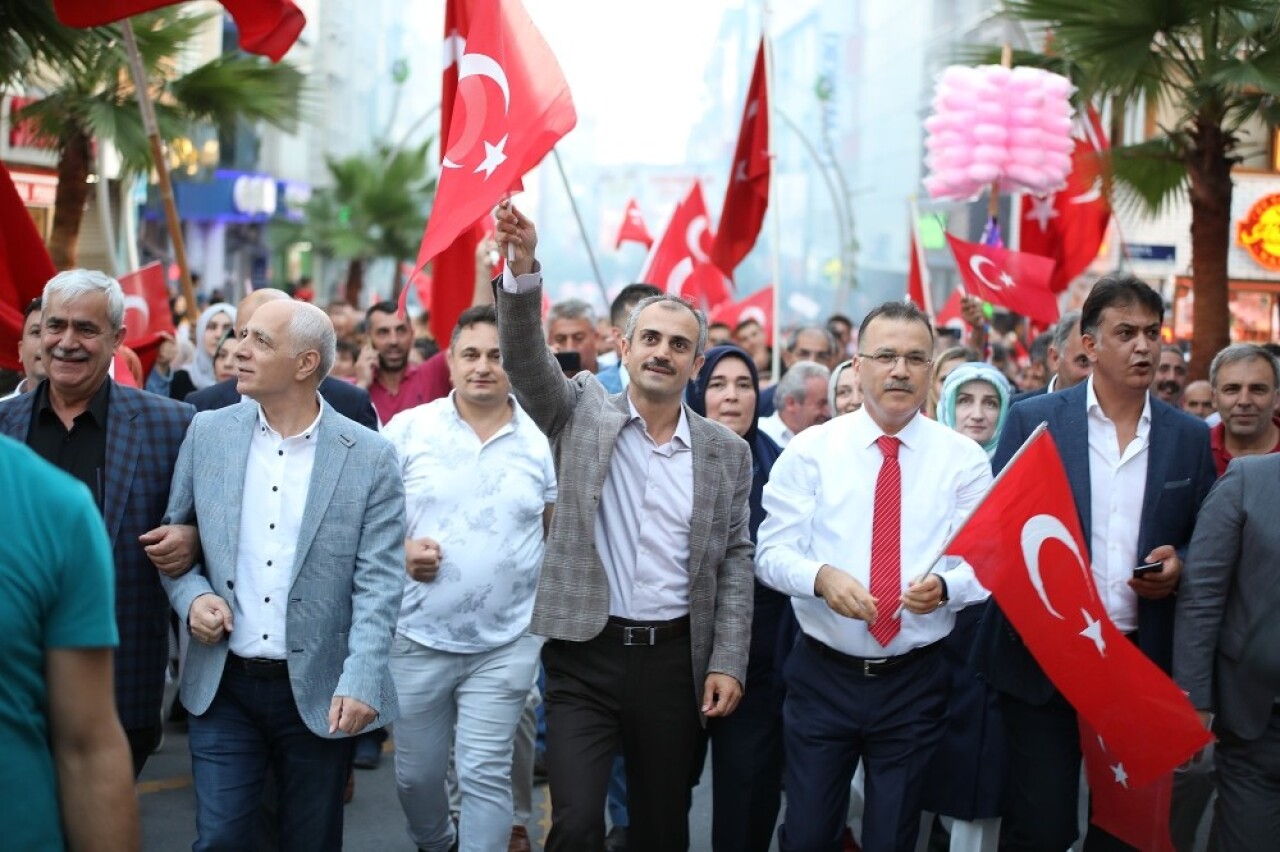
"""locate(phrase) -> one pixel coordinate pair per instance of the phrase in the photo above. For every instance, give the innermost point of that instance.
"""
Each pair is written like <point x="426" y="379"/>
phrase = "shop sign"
<point x="1259" y="232"/>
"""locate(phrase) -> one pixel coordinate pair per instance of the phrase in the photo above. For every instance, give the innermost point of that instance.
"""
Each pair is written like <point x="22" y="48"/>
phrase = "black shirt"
<point x="82" y="451"/>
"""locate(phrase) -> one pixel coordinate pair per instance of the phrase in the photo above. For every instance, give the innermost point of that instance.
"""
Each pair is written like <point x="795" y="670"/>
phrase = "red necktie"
<point x="886" y="543"/>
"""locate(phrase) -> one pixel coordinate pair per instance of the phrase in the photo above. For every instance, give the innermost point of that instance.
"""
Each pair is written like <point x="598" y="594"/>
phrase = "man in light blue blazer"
<point x="293" y="606"/>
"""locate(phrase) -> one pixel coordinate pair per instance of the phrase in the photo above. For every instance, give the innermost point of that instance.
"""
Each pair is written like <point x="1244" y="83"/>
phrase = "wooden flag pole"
<point x="142" y="90"/>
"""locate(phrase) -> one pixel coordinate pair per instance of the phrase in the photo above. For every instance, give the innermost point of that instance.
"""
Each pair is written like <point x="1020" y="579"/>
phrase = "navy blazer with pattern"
<point x="144" y="433"/>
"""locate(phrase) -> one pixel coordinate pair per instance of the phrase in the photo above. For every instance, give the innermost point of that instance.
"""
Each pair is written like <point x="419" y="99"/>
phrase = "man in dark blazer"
<point x="347" y="399"/>
<point x="1139" y="470"/>
<point x="1231" y="581"/>
<point x="647" y="582"/>
<point x="122" y="443"/>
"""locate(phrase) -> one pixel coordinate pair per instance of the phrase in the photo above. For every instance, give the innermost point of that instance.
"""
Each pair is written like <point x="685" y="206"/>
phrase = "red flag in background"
<point x="758" y="306"/>
<point x="747" y="196"/>
<point x="25" y="268"/>
<point x="509" y="107"/>
<point x="1069" y="226"/>
<point x="1137" y="815"/>
<point x="1025" y="545"/>
<point x="918" y="290"/>
<point x="633" y="229"/>
<point x="147" y="319"/>
<point x="951" y="316"/>
<point x="266" y="27"/>
<point x="680" y="263"/>
<point x="1017" y="280"/>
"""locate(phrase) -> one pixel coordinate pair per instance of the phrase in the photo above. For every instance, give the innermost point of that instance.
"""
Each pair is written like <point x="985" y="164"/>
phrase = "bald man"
<point x="347" y="399"/>
<point x="1197" y="399"/>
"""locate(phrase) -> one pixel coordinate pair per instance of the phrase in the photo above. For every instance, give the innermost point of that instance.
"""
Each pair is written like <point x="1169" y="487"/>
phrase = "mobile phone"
<point x="1148" y="568"/>
<point x="570" y="362"/>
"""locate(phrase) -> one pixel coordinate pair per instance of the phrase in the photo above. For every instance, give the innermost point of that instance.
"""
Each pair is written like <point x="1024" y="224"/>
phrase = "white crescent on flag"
<point x="1035" y="532"/>
<point x="975" y="264"/>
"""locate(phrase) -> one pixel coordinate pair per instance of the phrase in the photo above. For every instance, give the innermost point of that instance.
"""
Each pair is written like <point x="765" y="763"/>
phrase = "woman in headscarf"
<point x="843" y="392"/>
<point x="966" y="776"/>
<point x="224" y="357"/>
<point x="215" y="321"/>
<point x="943" y="363"/>
<point x="746" y="747"/>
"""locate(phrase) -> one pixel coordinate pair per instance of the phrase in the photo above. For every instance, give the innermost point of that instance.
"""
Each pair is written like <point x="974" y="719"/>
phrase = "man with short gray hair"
<point x="571" y="327"/>
<point x="122" y="443"/>
<point x="293" y="606"/>
<point x="806" y="343"/>
<point x="802" y="402"/>
<point x="1246" y="383"/>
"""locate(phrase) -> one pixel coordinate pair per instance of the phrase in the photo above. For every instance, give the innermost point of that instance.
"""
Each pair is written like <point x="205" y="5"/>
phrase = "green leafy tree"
<point x="1214" y="65"/>
<point x="88" y="95"/>
<point x="376" y="208"/>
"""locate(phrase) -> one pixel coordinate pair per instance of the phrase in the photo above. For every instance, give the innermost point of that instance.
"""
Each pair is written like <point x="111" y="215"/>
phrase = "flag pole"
<point x="582" y="228"/>
<point x="942" y="551"/>
<point x="774" y="211"/>
<point x="141" y="89"/>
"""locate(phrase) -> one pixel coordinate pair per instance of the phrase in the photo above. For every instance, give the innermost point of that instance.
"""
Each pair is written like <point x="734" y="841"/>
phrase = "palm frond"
<point x="1148" y="176"/>
<point x="235" y="86"/>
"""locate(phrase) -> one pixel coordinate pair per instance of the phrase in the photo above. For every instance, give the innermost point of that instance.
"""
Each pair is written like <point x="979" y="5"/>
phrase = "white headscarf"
<point x="201" y="369"/>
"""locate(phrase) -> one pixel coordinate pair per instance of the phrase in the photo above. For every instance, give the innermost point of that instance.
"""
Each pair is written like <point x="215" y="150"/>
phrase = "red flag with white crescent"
<point x="680" y="262"/>
<point x="758" y="306"/>
<point x="1025" y="544"/>
<point x="747" y="196"/>
<point x="633" y="228"/>
<point x="1015" y="279"/>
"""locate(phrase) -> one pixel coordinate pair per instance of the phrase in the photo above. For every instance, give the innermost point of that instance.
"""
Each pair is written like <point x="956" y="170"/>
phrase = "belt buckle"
<point x="869" y="667"/>
<point x="639" y="636"/>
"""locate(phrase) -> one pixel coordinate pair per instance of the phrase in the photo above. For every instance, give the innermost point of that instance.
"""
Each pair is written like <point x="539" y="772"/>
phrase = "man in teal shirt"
<point x="69" y="782"/>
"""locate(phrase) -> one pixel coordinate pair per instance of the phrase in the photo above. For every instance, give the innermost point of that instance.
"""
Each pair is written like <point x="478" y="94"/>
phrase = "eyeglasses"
<point x="888" y="358"/>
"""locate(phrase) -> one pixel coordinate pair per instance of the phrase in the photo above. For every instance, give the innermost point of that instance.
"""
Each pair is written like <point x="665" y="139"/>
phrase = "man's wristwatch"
<point x="946" y="597"/>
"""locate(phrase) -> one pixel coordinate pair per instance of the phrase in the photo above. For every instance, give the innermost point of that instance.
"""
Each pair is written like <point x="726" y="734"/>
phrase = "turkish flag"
<point x="950" y="315"/>
<point x="147" y="318"/>
<point x="511" y="107"/>
<point x="1070" y="225"/>
<point x="918" y="272"/>
<point x="266" y="27"/>
<point x="1137" y="815"/>
<point x="758" y="306"/>
<point x="633" y="229"/>
<point x="1015" y="279"/>
<point x="25" y="268"/>
<point x="680" y="262"/>
<point x="747" y="195"/>
<point x="1025" y="545"/>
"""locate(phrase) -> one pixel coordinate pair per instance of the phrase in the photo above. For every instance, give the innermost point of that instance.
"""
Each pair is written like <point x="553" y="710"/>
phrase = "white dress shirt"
<point x="777" y="430"/>
<point x="277" y="479"/>
<point x="1117" y="484"/>
<point x="484" y="503"/>
<point x="820" y="497"/>
<point x="646" y="508"/>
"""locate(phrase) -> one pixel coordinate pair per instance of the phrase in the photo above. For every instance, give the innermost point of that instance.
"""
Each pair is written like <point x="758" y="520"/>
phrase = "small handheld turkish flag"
<point x="747" y="196"/>
<point x="633" y="229"/>
<point x="1016" y="280"/>
<point x="267" y="27"/>
<point x="1025" y="545"/>
<point x="146" y="304"/>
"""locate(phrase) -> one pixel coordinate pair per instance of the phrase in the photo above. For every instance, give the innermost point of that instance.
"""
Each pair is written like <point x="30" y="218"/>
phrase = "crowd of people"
<point x="594" y="550"/>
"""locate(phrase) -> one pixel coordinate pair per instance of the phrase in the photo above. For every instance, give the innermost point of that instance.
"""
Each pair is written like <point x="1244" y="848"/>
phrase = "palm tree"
<point x="1214" y="65"/>
<point x="91" y="97"/>
<point x="377" y="207"/>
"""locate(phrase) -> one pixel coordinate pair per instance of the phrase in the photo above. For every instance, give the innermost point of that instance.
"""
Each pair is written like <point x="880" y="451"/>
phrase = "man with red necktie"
<point x="865" y="680"/>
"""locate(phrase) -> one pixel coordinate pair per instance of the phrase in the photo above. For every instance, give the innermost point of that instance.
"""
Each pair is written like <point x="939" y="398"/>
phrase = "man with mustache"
<point x="122" y="443"/>
<point x="1170" y="375"/>
<point x="1138" y="469"/>
<point x="646" y="588"/>
<point x="1246" y="384"/>
<point x="857" y="509"/>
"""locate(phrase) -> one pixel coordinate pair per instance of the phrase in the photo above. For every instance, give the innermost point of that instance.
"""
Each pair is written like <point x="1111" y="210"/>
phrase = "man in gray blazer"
<point x="293" y="607"/>
<point x="1230" y="581"/>
<point x="646" y="585"/>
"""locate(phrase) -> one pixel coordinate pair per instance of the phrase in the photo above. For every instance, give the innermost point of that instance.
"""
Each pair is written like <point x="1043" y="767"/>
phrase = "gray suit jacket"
<point x="1230" y="577"/>
<point x="583" y="421"/>
<point x="347" y="576"/>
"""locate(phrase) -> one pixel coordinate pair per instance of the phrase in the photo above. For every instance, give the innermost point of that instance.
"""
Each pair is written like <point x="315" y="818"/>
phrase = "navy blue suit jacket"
<point x="144" y="433"/>
<point x="1180" y="472"/>
<point x="347" y="399"/>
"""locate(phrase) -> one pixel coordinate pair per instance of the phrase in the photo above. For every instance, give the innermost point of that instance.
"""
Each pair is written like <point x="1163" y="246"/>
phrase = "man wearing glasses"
<point x="866" y="680"/>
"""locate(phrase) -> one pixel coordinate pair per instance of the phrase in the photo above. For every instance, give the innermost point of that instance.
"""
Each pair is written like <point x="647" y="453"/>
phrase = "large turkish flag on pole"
<point x="1025" y="545"/>
<point x="1015" y="279"/>
<point x="1069" y="226"/>
<point x="510" y="106"/>
<point x="680" y="261"/>
<point x="747" y="196"/>
<point x="25" y="267"/>
<point x="266" y="27"/>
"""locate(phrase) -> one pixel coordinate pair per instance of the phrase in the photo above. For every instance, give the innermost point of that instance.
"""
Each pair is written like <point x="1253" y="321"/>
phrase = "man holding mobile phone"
<point x="1139" y="469"/>
<point x="571" y="330"/>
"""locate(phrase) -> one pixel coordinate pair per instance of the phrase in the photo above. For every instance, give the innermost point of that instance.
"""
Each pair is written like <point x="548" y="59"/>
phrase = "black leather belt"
<point x="871" y="667"/>
<point x="258" y="667"/>
<point x="644" y="633"/>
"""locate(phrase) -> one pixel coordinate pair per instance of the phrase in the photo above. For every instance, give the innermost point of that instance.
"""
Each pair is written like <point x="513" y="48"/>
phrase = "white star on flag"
<point x="1122" y="777"/>
<point x="493" y="157"/>
<point x="1093" y="631"/>
<point x="1007" y="280"/>
<point x="1042" y="210"/>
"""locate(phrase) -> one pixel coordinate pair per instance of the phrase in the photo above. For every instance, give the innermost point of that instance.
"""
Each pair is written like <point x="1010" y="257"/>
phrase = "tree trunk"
<point x="1211" y="188"/>
<point x="73" y="192"/>
<point x="355" y="282"/>
<point x="397" y="282"/>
